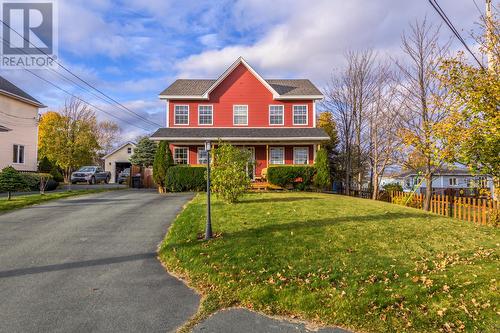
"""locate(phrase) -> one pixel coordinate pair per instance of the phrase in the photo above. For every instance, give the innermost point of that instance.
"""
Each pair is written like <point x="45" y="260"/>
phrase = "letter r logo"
<point x="28" y="27"/>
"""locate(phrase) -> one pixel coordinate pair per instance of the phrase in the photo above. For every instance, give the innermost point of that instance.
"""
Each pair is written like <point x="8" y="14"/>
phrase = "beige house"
<point x="18" y="127"/>
<point x="118" y="160"/>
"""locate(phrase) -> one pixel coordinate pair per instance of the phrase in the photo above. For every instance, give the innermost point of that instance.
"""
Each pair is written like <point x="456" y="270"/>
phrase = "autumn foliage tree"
<point x="69" y="138"/>
<point x="472" y="126"/>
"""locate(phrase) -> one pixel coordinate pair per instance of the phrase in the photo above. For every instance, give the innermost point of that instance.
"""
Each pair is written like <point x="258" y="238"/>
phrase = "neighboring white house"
<point x="118" y="160"/>
<point x="446" y="180"/>
<point x="18" y="127"/>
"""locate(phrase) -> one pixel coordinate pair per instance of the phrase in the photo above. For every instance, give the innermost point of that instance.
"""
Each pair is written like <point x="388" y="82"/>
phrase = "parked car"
<point x="123" y="176"/>
<point x="90" y="175"/>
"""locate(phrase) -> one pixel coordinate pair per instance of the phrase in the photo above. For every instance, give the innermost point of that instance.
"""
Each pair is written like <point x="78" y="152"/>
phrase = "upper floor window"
<point x="277" y="155"/>
<point x="300" y="114"/>
<point x="205" y="114"/>
<point x="202" y="155"/>
<point x="276" y="115"/>
<point x="181" y="155"/>
<point x="240" y="114"/>
<point x="453" y="181"/>
<point x="181" y="115"/>
<point x="300" y="155"/>
<point x="129" y="150"/>
<point x="18" y="155"/>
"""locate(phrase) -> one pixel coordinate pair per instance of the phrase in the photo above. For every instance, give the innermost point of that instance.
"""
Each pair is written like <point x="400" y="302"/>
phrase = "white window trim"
<point x="24" y="154"/>
<point x="198" y="155"/>
<point x="187" y="154"/>
<point x="307" y="114"/>
<point x="452" y="183"/>
<point x="284" y="155"/>
<point x="282" y="113"/>
<point x="212" y="106"/>
<point x="235" y="105"/>
<point x="306" y="148"/>
<point x="175" y="122"/>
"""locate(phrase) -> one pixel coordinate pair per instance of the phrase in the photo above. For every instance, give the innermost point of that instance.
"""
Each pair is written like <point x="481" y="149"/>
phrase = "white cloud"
<point x="309" y="38"/>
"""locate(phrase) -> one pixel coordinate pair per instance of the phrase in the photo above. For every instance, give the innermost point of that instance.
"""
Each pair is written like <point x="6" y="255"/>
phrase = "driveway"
<point x="87" y="264"/>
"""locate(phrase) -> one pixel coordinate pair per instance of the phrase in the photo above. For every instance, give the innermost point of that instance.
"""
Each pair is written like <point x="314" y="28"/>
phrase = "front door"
<point x="250" y="166"/>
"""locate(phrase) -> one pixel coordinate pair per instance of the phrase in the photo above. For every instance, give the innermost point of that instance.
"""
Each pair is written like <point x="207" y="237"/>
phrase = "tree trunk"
<point x="9" y="195"/>
<point x="428" y="191"/>
<point x="375" y="186"/>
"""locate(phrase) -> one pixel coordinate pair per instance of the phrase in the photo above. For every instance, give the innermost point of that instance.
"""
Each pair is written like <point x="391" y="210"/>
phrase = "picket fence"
<point x="474" y="210"/>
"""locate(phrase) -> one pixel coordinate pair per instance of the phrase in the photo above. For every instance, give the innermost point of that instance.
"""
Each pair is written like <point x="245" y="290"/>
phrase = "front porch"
<point x="263" y="155"/>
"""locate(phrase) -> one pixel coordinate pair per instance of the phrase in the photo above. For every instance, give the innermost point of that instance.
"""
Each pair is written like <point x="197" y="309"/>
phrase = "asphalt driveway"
<point x="87" y="264"/>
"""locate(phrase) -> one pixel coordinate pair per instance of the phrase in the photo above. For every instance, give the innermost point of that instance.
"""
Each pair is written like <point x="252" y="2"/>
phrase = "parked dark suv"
<point x="123" y="176"/>
<point x="90" y="175"/>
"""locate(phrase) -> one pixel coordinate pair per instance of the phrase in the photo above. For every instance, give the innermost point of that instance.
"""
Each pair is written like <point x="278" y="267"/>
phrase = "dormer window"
<point x="181" y="115"/>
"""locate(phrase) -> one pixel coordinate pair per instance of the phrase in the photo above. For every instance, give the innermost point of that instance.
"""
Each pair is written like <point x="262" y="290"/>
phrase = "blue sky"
<point x="134" y="49"/>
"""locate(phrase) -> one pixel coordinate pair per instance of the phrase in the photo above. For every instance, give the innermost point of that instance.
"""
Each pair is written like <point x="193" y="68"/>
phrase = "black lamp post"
<point x="208" y="230"/>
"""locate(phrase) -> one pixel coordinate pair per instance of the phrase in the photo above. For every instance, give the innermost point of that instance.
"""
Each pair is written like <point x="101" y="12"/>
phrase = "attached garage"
<point x="118" y="160"/>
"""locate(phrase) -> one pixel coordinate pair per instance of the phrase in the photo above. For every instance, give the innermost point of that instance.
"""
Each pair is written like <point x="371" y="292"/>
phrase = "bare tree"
<point x="348" y="96"/>
<point x="420" y="90"/>
<point x="383" y="119"/>
<point x="108" y="135"/>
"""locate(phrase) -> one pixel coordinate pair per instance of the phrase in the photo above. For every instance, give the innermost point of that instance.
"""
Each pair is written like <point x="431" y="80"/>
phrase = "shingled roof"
<point x="281" y="88"/>
<point x="240" y="134"/>
<point x="9" y="89"/>
<point x="197" y="87"/>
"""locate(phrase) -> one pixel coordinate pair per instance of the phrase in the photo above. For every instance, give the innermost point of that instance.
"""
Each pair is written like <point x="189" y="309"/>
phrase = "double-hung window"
<point x="300" y="155"/>
<point x="181" y="115"/>
<point x="202" y="155"/>
<point x="181" y="155"/>
<point x="277" y="155"/>
<point x="18" y="154"/>
<point x="300" y="114"/>
<point x="205" y="114"/>
<point x="240" y="114"/>
<point x="276" y="115"/>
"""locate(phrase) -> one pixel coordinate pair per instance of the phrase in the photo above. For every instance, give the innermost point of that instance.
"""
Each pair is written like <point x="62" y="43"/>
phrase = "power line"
<point x="450" y="25"/>
<point x="84" y="81"/>
<point x="84" y="101"/>
<point x="81" y="99"/>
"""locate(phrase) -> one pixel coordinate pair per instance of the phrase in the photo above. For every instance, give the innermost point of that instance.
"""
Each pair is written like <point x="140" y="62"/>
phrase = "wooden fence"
<point x="476" y="210"/>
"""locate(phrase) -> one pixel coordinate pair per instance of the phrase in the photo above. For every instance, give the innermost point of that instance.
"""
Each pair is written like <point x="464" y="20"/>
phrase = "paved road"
<point x="87" y="264"/>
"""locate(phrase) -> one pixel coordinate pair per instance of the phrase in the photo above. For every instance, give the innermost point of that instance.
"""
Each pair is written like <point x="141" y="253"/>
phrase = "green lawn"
<point x="360" y="264"/>
<point x="21" y="201"/>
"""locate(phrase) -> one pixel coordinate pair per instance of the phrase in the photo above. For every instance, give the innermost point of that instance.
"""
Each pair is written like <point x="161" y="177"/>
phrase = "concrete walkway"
<point x="88" y="264"/>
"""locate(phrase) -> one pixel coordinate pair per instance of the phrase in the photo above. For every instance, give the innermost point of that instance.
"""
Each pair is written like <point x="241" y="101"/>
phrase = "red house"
<point x="275" y="119"/>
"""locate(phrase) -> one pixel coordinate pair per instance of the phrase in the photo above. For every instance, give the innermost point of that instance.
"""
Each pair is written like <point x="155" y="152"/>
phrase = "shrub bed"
<point x="291" y="176"/>
<point x="185" y="178"/>
<point x="32" y="180"/>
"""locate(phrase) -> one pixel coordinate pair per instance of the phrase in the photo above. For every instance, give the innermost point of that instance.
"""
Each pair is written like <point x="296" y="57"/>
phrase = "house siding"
<point x="22" y="119"/>
<point x="240" y="87"/>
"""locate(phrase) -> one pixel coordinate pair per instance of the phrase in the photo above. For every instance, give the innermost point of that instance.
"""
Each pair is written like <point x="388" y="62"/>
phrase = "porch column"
<point x="267" y="156"/>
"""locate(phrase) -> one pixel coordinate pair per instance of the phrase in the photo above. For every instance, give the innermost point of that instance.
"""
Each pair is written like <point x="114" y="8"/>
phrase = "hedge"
<point x="33" y="181"/>
<point x="185" y="178"/>
<point x="287" y="176"/>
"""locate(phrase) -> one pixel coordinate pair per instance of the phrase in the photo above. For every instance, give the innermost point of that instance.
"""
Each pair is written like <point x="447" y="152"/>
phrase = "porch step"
<point x="264" y="186"/>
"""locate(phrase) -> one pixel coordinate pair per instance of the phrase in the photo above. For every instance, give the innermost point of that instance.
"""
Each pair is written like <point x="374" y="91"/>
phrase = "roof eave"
<point x="245" y="139"/>
<point x="296" y="97"/>
<point x="179" y="97"/>
<point x="22" y="99"/>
